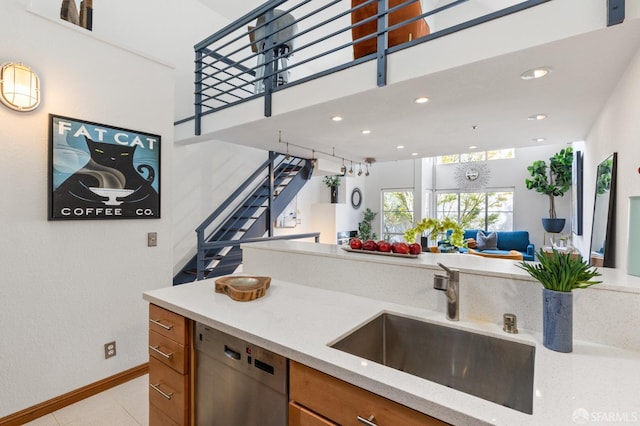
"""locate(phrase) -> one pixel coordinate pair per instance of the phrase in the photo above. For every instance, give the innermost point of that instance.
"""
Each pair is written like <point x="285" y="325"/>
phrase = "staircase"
<point x="246" y="216"/>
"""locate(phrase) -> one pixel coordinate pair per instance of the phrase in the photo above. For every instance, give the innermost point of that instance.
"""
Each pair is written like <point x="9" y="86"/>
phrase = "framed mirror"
<point x="602" y="250"/>
<point x="356" y="198"/>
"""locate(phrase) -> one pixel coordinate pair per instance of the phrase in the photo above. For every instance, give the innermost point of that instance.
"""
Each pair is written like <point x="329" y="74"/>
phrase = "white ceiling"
<point x="488" y="94"/>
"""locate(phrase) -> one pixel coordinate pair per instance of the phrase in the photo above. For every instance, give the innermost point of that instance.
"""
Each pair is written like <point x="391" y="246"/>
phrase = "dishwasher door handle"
<point x="231" y="353"/>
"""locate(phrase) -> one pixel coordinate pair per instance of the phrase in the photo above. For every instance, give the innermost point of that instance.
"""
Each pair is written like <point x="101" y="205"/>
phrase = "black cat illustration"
<point x="109" y="179"/>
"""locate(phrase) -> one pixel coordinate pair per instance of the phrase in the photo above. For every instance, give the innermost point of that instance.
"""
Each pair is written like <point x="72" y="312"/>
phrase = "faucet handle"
<point x="440" y="282"/>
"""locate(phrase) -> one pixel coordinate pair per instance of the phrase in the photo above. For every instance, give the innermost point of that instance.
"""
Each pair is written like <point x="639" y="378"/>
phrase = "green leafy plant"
<point x="364" y="227"/>
<point x="553" y="180"/>
<point x="433" y="226"/>
<point x="332" y="181"/>
<point x="561" y="272"/>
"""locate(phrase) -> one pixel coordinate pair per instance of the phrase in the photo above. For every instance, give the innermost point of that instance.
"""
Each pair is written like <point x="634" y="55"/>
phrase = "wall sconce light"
<point x="19" y="87"/>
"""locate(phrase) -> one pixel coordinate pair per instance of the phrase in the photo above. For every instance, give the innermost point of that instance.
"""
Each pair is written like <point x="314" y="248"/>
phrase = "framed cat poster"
<point x="98" y="171"/>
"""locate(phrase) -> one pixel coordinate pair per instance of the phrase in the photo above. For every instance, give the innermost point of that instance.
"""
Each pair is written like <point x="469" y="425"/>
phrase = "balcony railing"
<point x="288" y="42"/>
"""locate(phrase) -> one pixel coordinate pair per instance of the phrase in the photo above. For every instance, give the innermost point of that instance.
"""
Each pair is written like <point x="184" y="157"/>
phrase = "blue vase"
<point x="557" y="320"/>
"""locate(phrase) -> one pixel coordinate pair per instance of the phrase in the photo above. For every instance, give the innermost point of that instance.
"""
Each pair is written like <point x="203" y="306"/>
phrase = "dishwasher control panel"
<point x="260" y="364"/>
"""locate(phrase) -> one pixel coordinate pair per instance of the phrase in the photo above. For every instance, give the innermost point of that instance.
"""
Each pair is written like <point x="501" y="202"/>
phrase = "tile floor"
<point x="123" y="405"/>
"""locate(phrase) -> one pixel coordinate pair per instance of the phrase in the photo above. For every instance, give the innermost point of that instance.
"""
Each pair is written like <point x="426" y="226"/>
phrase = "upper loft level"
<point x="466" y="56"/>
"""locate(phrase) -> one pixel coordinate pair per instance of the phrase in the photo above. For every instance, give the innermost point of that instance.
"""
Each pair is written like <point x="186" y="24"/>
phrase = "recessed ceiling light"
<point x="539" y="139"/>
<point x="537" y="117"/>
<point x="473" y="147"/>
<point x="534" y="73"/>
<point x="421" y="100"/>
<point x="366" y="132"/>
<point x="336" y="118"/>
<point x="400" y="146"/>
<point x="415" y="154"/>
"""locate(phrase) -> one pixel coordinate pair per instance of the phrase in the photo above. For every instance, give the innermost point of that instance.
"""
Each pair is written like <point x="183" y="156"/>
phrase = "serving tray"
<point x="380" y="253"/>
<point x="243" y="288"/>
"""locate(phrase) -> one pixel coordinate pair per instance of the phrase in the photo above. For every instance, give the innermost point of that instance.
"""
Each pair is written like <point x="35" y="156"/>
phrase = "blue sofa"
<point x="507" y="240"/>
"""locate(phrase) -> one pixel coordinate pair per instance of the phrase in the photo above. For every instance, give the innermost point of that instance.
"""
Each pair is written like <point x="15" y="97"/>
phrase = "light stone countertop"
<point x="593" y="383"/>
<point x="614" y="279"/>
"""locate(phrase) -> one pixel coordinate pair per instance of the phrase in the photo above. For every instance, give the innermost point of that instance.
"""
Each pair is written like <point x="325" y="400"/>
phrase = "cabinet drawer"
<point x="300" y="416"/>
<point x="168" y="323"/>
<point x="168" y="352"/>
<point x="158" y="418"/>
<point x="168" y="391"/>
<point x="342" y="402"/>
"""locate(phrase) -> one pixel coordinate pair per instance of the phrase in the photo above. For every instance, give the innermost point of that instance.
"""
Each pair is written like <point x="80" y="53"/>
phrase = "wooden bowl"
<point x="243" y="288"/>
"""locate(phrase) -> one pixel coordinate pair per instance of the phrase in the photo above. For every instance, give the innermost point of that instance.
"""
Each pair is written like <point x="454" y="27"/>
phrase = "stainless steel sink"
<point x="494" y="369"/>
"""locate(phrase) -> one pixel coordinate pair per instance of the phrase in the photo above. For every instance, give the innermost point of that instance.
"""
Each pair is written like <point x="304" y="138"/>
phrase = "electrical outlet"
<point x="109" y="349"/>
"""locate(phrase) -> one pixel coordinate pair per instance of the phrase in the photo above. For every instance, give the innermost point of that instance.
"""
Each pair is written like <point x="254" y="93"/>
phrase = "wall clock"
<point x="356" y="198"/>
<point x="473" y="175"/>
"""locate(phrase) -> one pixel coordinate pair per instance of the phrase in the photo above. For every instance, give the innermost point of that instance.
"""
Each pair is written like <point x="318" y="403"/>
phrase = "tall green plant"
<point x="364" y="227"/>
<point x="553" y="180"/>
<point x="561" y="272"/>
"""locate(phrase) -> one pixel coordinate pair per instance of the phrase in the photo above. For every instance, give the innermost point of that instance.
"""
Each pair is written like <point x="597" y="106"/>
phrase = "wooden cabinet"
<point x="169" y="368"/>
<point x="318" y="399"/>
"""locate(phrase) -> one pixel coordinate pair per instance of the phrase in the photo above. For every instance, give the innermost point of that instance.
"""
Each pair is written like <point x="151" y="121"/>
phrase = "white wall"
<point x="164" y="29"/>
<point x="616" y="130"/>
<point x="68" y="287"/>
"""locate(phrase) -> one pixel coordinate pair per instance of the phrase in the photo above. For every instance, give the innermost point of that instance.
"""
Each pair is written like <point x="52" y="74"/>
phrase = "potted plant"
<point x="553" y="181"/>
<point x="333" y="182"/>
<point x="431" y="227"/>
<point x="364" y="227"/>
<point x="559" y="274"/>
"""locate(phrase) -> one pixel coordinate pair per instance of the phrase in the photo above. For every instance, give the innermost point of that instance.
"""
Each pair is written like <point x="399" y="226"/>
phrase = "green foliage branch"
<point x="433" y="226"/>
<point x="561" y="272"/>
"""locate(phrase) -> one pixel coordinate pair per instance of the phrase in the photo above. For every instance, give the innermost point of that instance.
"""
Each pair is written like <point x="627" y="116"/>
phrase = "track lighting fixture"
<point x="314" y="161"/>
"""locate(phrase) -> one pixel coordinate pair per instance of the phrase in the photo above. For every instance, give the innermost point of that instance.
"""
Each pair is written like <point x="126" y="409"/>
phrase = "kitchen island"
<point x="300" y="320"/>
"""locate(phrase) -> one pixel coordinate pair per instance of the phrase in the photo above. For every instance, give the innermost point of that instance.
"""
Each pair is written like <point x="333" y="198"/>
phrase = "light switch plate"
<point x="152" y="239"/>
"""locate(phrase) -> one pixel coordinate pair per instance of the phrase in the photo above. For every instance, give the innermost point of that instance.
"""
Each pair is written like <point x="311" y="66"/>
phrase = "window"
<point x="500" y="154"/>
<point x="397" y="214"/>
<point x="492" y="211"/>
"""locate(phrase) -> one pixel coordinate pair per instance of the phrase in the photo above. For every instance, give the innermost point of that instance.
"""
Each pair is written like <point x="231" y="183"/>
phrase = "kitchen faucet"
<point x="451" y="285"/>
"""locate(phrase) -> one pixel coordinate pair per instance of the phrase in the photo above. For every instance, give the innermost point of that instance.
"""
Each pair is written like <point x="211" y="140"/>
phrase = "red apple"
<point x="400" y="248"/>
<point x="384" y="246"/>
<point x="369" y="245"/>
<point x="356" y="243"/>
<point x="415" y="248"/>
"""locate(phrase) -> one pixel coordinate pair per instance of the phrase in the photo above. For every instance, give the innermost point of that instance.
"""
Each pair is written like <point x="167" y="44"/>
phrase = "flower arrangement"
<point x="433" y="226"/>
<point x="332" y="181"/>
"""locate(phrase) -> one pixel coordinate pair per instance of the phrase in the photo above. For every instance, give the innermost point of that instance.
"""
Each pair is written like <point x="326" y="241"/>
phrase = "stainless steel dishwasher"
<point x="238" y="383"/>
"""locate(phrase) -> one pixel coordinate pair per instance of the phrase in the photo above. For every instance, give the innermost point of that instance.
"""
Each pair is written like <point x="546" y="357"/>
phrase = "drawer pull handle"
<point x="157" y="350"/>
<point x="157" y="389"/>
<point x="158" y="323"/>
<point x="368" y="422"/>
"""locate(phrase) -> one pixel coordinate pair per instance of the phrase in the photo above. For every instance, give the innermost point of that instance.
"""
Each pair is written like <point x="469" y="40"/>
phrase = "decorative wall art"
<point x="98" y="171"/>
<point x="472" y="175"/>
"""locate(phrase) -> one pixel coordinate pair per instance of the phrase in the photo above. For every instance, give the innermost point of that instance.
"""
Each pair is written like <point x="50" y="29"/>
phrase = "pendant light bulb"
<point x="343" y="168"/>
<point x="367" y="173"/>
<point x="360" y="171"/>
<point x="288" y="156"/>
<point x="351" y="169"/>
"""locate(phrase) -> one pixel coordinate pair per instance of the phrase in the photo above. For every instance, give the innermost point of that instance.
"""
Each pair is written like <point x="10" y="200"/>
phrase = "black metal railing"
<point x="249" y="212"/>
<point x="288" y="42"/>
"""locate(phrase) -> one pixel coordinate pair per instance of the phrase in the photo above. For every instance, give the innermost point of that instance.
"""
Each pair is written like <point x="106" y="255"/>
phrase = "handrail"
<point x="229" y="243"/>
<point x="229" y="71"/>
<point x="240" y="206"/>
<point x="232" y="197"/>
